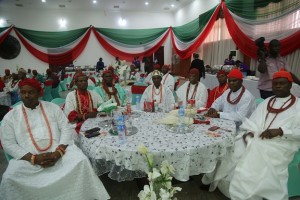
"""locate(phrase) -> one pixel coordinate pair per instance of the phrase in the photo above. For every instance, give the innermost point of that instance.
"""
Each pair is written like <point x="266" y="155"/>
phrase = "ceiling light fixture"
<point x="122" y="22"/>
<point x="44" y="1"/>
<point x="2" y="22"/>
<point x="62" y="23"/>
<point x="146" y="3"/>
<point x="94" y="2"/>
<point x="172" y="5"/>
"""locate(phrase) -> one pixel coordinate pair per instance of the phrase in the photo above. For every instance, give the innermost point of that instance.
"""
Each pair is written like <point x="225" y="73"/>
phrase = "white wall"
<point x="193" y="10"/>
<point x="47" y="20"/>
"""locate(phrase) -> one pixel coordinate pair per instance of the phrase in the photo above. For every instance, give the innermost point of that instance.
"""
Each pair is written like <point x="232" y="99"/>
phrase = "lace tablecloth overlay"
<point x="190" y="154"/>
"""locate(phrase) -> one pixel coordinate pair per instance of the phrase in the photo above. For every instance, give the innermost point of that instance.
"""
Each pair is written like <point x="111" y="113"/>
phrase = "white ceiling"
<point x="107" y="5"/>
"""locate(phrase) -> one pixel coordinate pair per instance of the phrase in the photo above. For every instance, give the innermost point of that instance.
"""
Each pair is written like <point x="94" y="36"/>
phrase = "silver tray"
<point x="174" y="129"/>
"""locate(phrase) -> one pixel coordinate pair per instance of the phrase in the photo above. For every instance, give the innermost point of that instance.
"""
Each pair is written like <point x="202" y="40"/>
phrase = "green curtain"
<point x="3" y="29"/>
<point x="132" y="36"/>
<point x="191" y="30"/>
<point x="52" y="39"/>
<point x="247" y="9"/>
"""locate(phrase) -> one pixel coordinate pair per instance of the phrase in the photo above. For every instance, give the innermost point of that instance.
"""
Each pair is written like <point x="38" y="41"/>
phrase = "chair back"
<point x="47" y="96"/>
<point x="90" y="87"/>
<point x="294" y="176"/>
<point x="54" y="92"/>
<point x="259" y="100"/>
<point x="58" y="101"/>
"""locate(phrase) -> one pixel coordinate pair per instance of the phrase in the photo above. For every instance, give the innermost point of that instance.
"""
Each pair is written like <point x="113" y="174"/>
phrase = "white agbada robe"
<point x="167" y="97"/>
<point x="169" y="81"/>
<point x="262" y="171"/>
<point x="72" y="177"/>
<point x="133" y="76"/>
<point x="71" y="104"/>
<point x="148" y="79"/>
<point x="236" y="112"/>
<point x="200" y="97"/>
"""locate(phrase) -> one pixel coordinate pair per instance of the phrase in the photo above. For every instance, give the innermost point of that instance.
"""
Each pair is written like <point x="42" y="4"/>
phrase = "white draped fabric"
<point x="201" y="94"/>
<point x="70" y="178"/>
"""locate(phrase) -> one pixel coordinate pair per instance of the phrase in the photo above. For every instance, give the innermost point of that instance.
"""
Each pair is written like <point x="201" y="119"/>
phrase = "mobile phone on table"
<point x="92" y="130"/>
<point x="93" y="134"/>
<point x="213" y="128"/>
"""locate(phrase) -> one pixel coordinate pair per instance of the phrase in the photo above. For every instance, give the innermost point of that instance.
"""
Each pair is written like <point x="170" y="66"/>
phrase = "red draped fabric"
<point x="186" y="53"/>
<point x="56" y="59"/>
<point x="2" y="37"/>
<point x="247" y="46"/>
<point x="124" y="55"/>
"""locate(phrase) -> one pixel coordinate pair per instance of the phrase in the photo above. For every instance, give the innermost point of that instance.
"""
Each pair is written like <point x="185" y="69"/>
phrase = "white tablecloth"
<point x="191" y="153"/>
<point x="211" y="81"/>
<point x="5" y="99"/>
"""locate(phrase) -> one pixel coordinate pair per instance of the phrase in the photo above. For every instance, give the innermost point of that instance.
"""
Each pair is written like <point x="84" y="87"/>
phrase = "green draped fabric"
<point x="132" y="36"/>
<point x="3" y="29"/>
<point x="247" y="9"/>
<point x="52" y="39"/>
<point x="191" y="30"/>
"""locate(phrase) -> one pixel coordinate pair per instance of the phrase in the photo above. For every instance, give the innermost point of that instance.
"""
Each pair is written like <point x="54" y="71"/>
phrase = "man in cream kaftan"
<point x="159" y="93"/>
<point x="236" y="103"/>
<point x="167" y="79"/>
<point x="274" y="130"/>
<point x="81" y="103"/>
<point x="193" y="89"/>
<point x="46" y="164"/>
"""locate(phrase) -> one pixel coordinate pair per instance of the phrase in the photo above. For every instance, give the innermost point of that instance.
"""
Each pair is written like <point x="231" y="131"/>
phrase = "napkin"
<point x="107" y="106"/>
<point x="173" y="120"/>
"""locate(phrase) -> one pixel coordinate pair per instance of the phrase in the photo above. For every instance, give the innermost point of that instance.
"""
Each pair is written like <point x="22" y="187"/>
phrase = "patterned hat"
<point x="157" y="73"/>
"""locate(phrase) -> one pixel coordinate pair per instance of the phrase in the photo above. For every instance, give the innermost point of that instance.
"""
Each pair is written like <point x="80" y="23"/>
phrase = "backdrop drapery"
<point x="245" y="20"/>
<point x="4" y="32"/>
<point x="128" y="55"/>
<point x="66" y="57"/>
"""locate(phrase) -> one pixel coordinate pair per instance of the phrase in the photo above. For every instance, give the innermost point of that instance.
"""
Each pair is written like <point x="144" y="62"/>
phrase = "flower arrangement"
<point x="160" y="181"/>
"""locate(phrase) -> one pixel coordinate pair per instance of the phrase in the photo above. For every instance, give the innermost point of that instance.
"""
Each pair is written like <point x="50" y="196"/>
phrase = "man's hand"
<point x="262" y="66"/>
<point x="91" y="115"/>
<point x="47" y="159"/>
<point x="212" y="113"/>
<point x="250" y="134"/>
<point x="271" y="133"/>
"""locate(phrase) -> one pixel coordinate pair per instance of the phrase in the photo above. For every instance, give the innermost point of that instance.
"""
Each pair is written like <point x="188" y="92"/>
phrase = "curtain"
<point x="66" y="57"/>
<point x="179" y="35"/>
<point x="52" y="39"/>
<point x="127" y="52"/>
<point x="4" y="32"/>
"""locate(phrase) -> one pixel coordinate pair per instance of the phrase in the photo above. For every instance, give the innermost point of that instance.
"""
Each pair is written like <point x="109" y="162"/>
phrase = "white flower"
<point x="153" y="175"/>
<point x="168" y="185"/>
<point x="147" y="194"/>
<point x="164" y="194"/>
<point x="174" y="190"/>
<point x="167" y="168"/>
<point x="142" y="149"/>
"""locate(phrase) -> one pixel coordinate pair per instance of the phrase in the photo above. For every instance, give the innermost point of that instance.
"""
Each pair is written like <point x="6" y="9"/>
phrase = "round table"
<point x="190" y="154"/>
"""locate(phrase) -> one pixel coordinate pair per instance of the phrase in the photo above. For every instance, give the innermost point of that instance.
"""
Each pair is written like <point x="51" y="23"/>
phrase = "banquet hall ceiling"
<point x="103" y="5"/>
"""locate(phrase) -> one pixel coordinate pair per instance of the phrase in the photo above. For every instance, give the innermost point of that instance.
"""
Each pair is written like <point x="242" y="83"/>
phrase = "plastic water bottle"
<point x="137" y="102"/>
<point x="181" y="122"/>
<point x="121" y="130"/>
<point x="155" y="106"/>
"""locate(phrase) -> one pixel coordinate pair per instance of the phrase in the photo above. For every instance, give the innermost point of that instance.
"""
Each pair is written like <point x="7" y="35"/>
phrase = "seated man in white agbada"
<point x="167" y="79"/>
<point x="236" y="103"/>
<point x="46" y="164"/>
<point x="193" y="89"/>
<point x="159" y="93"/>
<point x="264" y="147"/>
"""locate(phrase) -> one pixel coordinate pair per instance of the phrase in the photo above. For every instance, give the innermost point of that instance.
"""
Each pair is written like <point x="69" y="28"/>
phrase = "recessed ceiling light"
<point x="94" y="2"/>
<point x="62" y="23"/>
<point x="44" y="1"/>
<point x="172" y="5"/>
<point x="146" y="3"/>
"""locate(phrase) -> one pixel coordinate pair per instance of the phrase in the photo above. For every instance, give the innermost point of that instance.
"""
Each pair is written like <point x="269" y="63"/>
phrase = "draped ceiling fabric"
<point x="4" y="32"/>
<point x="245" y="20"/>
<point x="129" y="43"/>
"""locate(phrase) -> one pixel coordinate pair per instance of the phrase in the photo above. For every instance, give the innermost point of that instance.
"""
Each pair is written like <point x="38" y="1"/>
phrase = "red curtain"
<point x="124" y="55"/>
<point x="184" y="54"/>
<point x="2" y="38"/>
<point x="57" y="59"/>
<point x="248" y="47"/>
